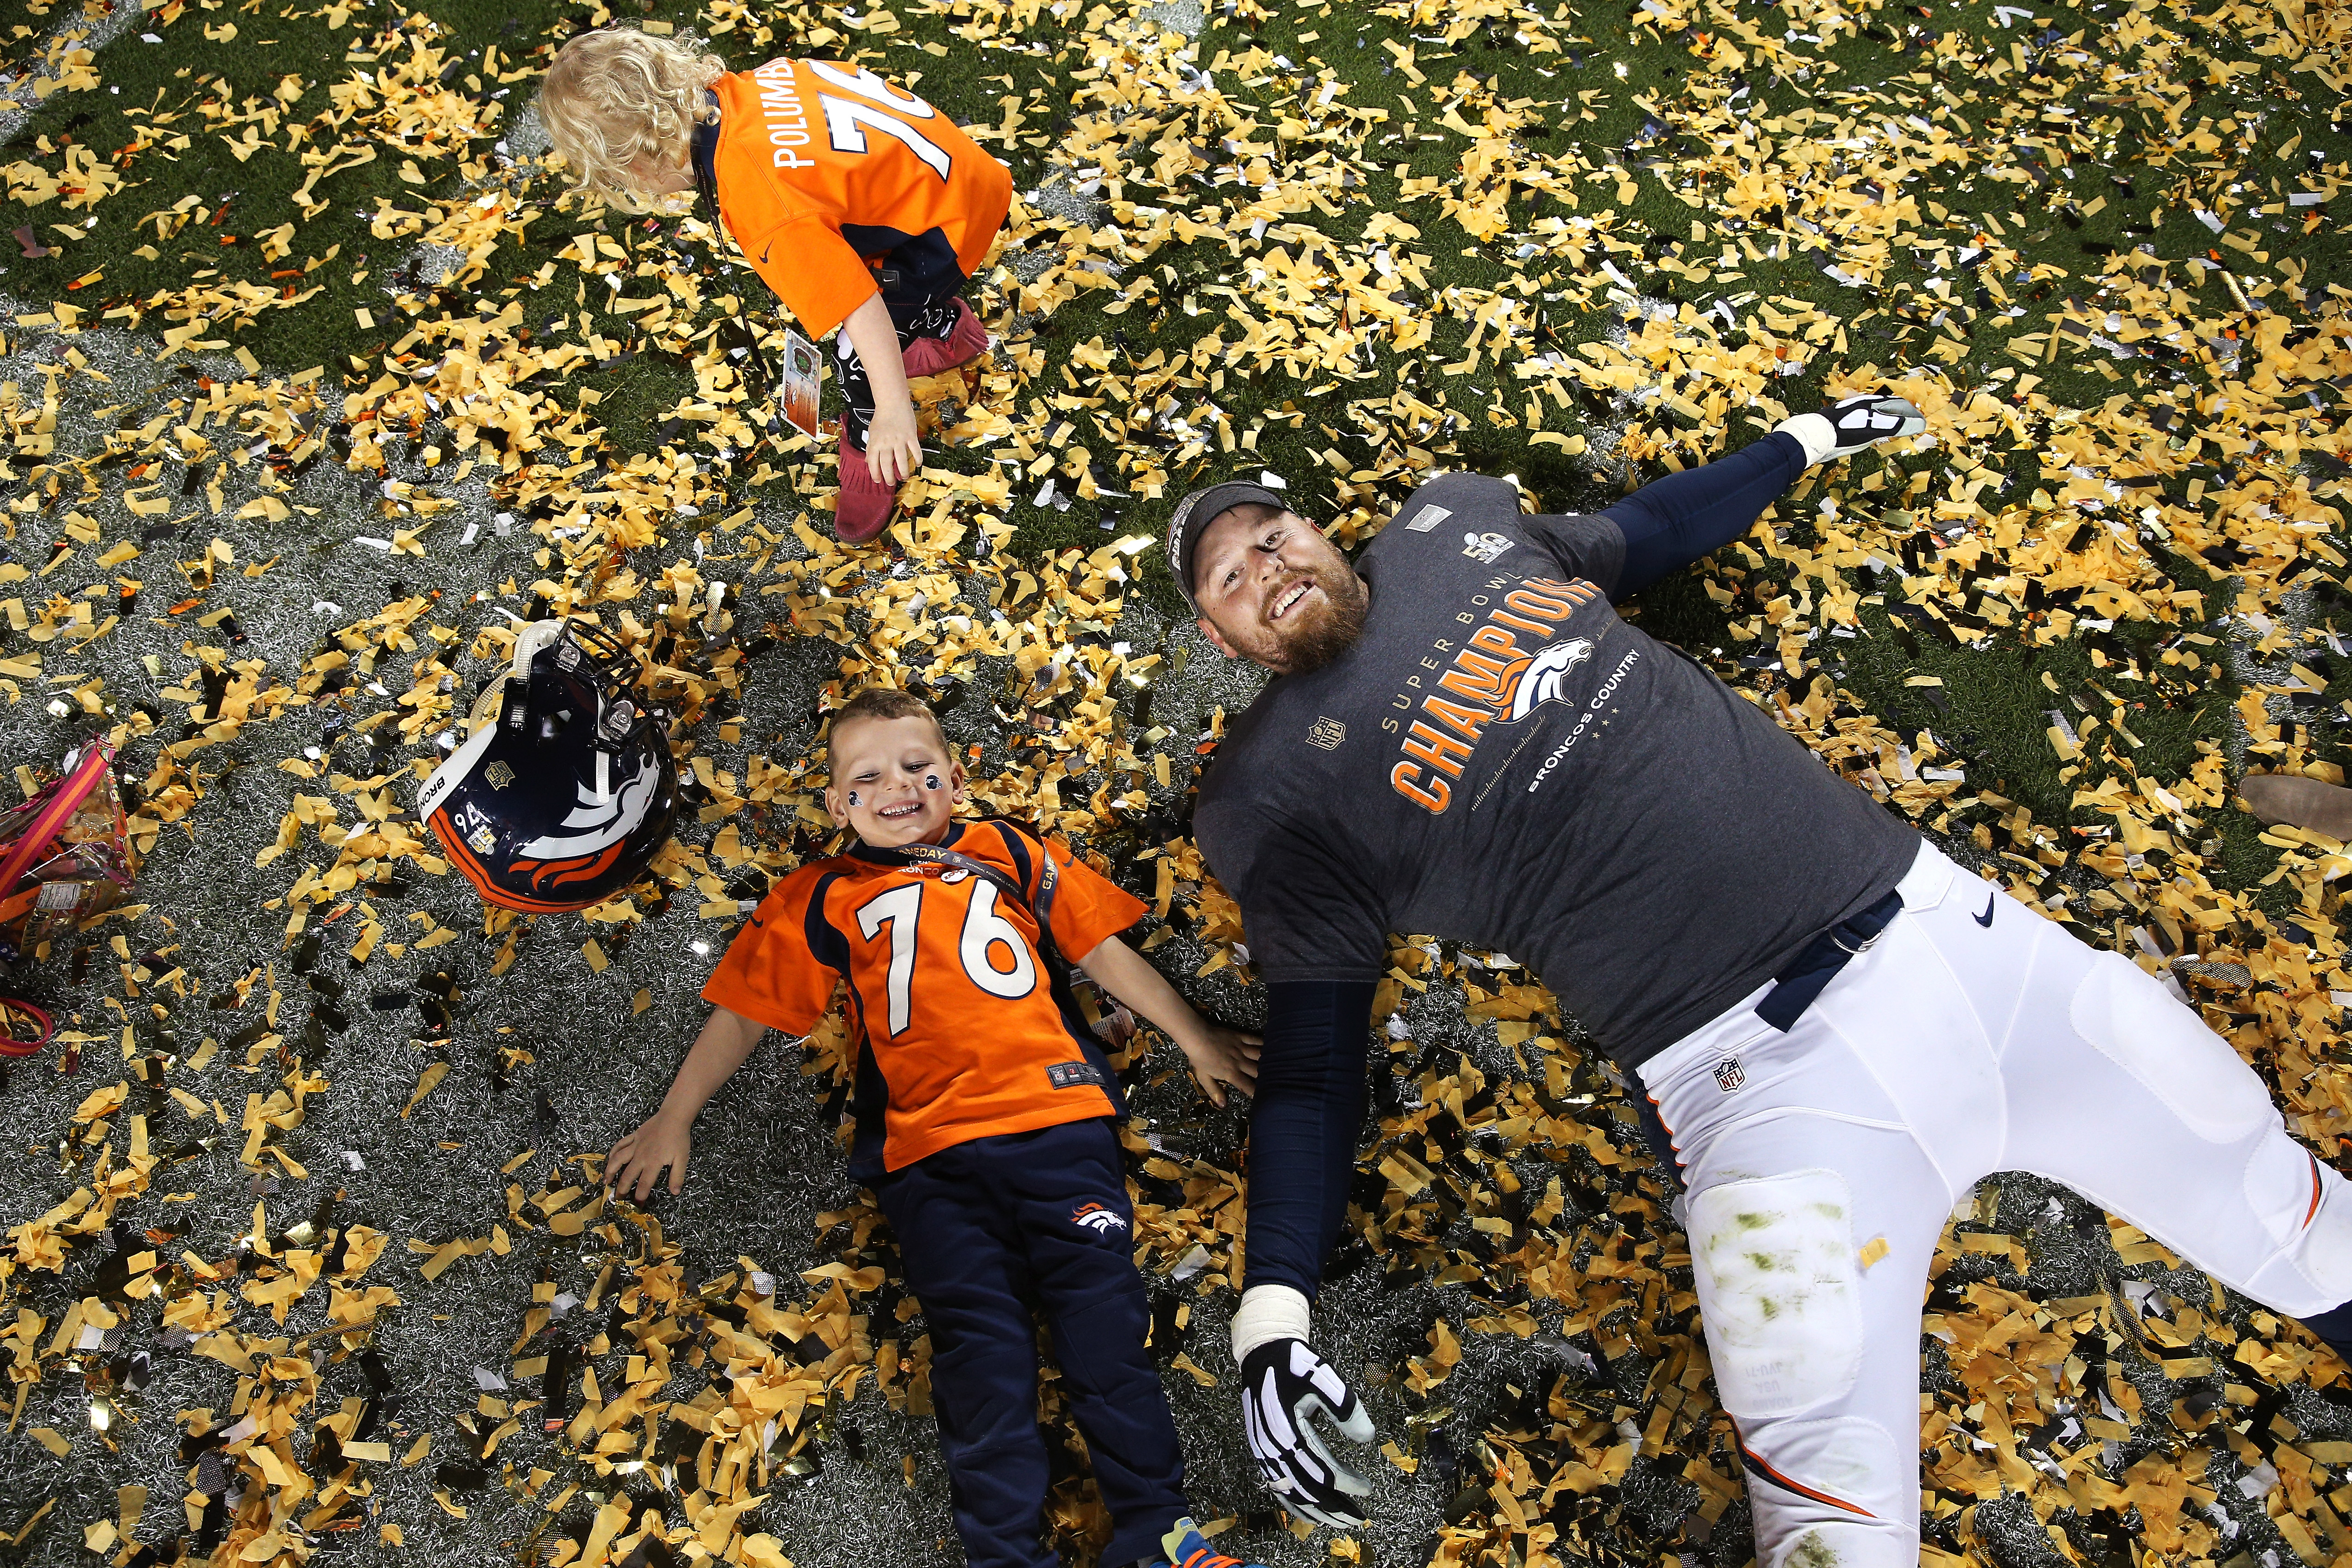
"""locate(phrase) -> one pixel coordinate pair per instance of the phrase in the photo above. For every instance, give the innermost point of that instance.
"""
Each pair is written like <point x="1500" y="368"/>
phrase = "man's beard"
<point x="1311" y="644"/>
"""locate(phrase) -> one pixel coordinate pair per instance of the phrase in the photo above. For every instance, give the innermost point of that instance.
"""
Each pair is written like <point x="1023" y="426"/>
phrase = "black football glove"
<point x="1851" y="424"/>
<point x="1284" y="1388"/>
<point x="1871" y="418"/>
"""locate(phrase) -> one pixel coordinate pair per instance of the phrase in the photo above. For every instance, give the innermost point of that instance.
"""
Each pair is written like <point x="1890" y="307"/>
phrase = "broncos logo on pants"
<point x="1095" y="1217"/>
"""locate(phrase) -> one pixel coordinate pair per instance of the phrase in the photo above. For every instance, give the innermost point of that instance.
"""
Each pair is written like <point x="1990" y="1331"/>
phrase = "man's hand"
<point x="1286" y="1387"/>
<point x="1220" y="1056"/>
<point x="1853" y="424"/>
<point x="892" y="450"/>
<point x="634" y="1168"/>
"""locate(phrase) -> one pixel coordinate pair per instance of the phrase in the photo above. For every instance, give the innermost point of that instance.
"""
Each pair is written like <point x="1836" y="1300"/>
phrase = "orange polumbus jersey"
<point x="964" y="1033"/>
<point x="822" y="167"/>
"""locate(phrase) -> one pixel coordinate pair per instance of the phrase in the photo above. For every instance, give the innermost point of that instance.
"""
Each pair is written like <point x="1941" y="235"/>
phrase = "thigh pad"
<point x="1779" y="1288"/>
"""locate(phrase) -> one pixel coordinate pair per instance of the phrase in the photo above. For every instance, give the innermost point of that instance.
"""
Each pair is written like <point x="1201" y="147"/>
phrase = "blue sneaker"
<point x="1185" y="1547"/>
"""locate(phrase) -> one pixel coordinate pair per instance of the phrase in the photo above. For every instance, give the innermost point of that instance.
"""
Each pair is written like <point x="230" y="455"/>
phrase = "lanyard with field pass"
<point x="705" y="162"/>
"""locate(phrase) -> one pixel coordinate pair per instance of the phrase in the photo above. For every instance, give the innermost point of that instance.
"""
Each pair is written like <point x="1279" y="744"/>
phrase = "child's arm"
<point x="892" y="452"/>
<point x="666" y="1137"/>
<point x="1219" y="1056"/>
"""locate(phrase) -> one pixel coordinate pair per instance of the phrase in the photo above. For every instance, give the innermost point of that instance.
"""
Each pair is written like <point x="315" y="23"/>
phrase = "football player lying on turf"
<point x="863" y="207"/>
<point x="1842" y="1031"/>
<point x="984" y="1111"/>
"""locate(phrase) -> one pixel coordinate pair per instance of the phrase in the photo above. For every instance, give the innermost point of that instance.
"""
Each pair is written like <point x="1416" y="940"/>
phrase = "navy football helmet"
<point x="566" y="789"/>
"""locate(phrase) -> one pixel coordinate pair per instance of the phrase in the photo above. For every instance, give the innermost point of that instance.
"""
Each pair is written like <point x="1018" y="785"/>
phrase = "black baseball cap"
<point x="1193" y="514"/>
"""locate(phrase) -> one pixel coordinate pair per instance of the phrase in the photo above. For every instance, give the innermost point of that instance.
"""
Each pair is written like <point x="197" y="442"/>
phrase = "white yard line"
<point x="92" y="33"/>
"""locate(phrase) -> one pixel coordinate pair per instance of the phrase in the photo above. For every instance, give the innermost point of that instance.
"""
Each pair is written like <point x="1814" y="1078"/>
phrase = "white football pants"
<point x="1973" y="1036"/>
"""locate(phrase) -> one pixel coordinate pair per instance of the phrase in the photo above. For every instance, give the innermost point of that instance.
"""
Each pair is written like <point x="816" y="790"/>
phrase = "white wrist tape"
<point x="1816" y="434"/>
<point x="1268" y="1313"/>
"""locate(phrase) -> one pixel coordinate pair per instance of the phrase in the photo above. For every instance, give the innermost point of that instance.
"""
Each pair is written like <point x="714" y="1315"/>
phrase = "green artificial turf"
<point x="1995" y="703"/>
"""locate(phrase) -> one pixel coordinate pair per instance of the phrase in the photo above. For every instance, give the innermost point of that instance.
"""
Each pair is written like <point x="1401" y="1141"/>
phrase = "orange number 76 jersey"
<point x="821" y="166"/>
<point x="965" y="1034"/>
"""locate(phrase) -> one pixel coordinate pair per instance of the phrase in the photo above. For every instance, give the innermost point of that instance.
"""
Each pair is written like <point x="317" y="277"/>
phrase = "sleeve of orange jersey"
<point x="812" y="270"/>
<point x="1088" y="906"/>
<point x="769" y="975"/>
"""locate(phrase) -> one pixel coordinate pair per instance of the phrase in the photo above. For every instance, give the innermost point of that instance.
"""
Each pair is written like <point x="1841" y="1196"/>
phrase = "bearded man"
<point x="1838" y="1030"/>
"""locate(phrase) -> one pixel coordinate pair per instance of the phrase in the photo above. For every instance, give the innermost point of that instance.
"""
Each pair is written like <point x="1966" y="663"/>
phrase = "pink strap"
<point x="66" y="798"/>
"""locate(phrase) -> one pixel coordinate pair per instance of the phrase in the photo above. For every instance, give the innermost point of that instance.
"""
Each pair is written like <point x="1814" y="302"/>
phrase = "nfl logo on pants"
<point x="1728" y="1074"/>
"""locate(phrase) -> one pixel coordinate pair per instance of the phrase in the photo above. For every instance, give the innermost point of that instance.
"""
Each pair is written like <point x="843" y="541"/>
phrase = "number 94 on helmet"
<point x="565" y="790"/>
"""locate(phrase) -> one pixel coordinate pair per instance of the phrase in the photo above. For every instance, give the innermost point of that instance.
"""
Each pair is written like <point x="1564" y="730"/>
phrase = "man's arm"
<point x="1311" y="902"/>
<point x="1303" y="1123"/>
<point x="1309" y="907"/>
<point x="1669" y="523"/>
<point x="1310" y="1108"/>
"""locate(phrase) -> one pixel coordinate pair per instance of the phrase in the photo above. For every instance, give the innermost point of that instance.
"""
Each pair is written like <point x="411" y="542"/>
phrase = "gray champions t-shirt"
<point x="1502" y="761"/>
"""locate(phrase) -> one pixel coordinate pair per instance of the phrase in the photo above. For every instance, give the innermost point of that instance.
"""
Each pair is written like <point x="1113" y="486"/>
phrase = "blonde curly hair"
<point x="616" y="95"/>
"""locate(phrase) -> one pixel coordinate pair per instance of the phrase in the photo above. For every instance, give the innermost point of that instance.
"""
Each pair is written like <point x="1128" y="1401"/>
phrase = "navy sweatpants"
<point x="995" y="1232"/>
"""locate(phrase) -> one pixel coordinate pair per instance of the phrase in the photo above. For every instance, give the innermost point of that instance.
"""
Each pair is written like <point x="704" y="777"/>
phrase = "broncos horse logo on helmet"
<point x="566" y="790"/>
<point x="556" y="860"/>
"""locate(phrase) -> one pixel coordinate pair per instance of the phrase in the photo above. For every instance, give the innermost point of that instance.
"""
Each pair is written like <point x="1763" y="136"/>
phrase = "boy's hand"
<point x="1222" y="1056"/>
<point x="892" y="451"/>
<point x="634" y="1167"/>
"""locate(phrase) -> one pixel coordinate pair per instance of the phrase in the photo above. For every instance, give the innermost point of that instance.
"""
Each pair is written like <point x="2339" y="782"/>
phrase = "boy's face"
<point x="894" y="781"/>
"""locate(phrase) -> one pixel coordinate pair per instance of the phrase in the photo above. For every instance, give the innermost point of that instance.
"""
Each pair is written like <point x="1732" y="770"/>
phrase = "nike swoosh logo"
<point x="1986" y="919"/>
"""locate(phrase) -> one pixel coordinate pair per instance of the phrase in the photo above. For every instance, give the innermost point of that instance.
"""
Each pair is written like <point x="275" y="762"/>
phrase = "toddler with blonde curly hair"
<point x="860" y="205"/>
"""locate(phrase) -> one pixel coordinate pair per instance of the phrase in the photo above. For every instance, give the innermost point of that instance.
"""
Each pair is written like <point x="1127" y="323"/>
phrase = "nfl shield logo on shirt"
<point x="1327" y="732"/>
<point x="1728" y="1074"/>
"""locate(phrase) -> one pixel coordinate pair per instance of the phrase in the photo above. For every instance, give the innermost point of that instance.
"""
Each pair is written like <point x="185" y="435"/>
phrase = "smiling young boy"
<point x="984" y="1119"/>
